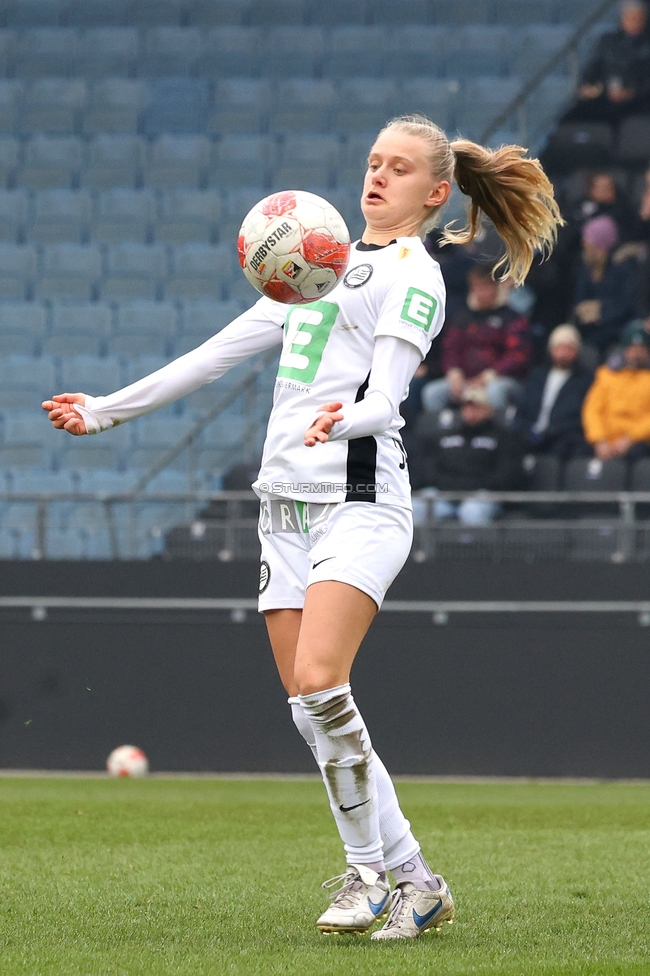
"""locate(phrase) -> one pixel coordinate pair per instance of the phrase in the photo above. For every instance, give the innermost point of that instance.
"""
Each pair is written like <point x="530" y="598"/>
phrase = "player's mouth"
<point x="374" y="197"/>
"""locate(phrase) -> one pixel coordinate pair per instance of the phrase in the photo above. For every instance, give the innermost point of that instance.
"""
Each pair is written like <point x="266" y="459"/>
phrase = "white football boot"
<point x="414" y="911"/>
<point x="361" y="899"/>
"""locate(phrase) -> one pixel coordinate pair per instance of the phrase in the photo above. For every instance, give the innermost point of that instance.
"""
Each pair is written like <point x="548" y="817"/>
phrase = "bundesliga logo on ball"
<point x="293" y="247"/>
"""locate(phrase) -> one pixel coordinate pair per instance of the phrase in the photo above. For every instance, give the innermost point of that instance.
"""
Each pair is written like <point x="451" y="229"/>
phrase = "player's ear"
<point x="438" y="194"/>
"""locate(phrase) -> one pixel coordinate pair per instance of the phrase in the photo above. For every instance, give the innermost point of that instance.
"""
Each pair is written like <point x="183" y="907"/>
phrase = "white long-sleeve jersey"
<point x="360" y="345"/>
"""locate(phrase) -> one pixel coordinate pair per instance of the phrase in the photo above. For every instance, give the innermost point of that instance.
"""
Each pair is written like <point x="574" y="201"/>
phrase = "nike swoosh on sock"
<point x="347" y="809"/>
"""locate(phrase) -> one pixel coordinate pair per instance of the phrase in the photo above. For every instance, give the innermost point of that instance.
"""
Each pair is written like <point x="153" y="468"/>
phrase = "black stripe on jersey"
<point x="362" y="461"/>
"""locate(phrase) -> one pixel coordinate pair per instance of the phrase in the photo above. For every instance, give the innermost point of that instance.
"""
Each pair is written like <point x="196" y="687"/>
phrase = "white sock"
<point x="345" y="759"/>
<point x="417" y="871"/>
<point x="398" y="841"/>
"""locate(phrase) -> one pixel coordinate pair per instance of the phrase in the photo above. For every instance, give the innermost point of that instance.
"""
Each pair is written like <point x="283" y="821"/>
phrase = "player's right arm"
<point x="258" y="329"/>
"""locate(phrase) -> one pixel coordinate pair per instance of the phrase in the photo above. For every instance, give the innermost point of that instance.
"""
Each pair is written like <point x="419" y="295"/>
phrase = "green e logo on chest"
<point x="306" y="331"/>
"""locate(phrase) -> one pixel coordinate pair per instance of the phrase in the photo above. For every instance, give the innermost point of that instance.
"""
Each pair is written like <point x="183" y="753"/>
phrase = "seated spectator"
<point x="605" y="291"/>
<point x="549" y="412"/>
<point x="479" y="454"/>
<point x="616" y="81"/>
<point x="604" y="198"/>
<point x="485" y="345"/>
<point x="616" y="411"/>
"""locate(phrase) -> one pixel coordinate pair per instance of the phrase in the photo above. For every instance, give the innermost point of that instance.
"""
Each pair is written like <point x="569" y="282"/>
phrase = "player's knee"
<point x="311" y="680"/>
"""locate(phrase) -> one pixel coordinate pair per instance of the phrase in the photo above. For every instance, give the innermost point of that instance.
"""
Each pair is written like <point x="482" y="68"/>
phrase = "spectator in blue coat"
<point x="549" y="412"/>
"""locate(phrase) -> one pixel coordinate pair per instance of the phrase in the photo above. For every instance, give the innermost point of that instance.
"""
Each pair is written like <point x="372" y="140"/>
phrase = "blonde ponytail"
<point x="515" y="194"/>
<point x="512" y="191"/>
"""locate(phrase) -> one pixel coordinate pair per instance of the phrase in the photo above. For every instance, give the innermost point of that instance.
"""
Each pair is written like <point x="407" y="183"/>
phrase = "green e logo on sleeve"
<point x="307" y="329"/>
<point x="419" y="308"/>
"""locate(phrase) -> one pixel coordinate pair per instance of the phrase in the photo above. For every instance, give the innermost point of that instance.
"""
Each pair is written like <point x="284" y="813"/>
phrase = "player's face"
<point x="399" y="189"/>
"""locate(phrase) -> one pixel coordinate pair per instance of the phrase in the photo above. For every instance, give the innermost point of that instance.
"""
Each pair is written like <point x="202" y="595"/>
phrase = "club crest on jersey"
<point x="265" y="575"/>
<point x="356" y="277"/>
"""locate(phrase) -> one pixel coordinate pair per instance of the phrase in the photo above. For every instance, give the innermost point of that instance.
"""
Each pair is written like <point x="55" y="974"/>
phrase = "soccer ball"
<point x="293" y="247"/>
<point x="127" y="761"/>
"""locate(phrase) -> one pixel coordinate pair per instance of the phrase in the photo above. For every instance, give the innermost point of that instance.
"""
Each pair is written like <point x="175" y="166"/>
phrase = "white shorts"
<point x="359" y="543"/>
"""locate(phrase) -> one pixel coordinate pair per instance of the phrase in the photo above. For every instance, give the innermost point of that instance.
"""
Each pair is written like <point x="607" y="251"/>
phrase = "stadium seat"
<point x="544" y="472"/>
<point x="33" y="482"/>
<point x="27" y="373"/>
<point x="225" y="13"/>
<point x="365" y="104"/>
<point x="9" y="158"/>
<point x="461" y="12"/>
<point x="144" y="327"/>
<point x="13" y="215"/>
<point x="155" y="13"/>
<point x="483" y="99"/>
<point x="334" y="13"/>
<point x="139" y="366"/>
<point x="18" y="264"/>
<point x="199" y="270"/>
<point x="70" y="271"/>
<point x="43" y="52"/>
<point x="302" y="105"/>
<point x="169" y="482"/>
<point x="297" y="52"/>
<point x="177" y="105"/>
<point x="634" y="139"/>
<point x="437" y="99"/>
<point x="22" y="327"/>
<point x="53" y="105"/>
<point x="576" y="144"/>
<point x="170" y="51"/>
<point x="50" y="162"/>
<point x="79" y="329"/>
<point x="353" y="160"/>
<point x="92" y="13"/>
<point x="107" y="481"/>
<point x="640" y="480"/>
<point x="23" y="427"/>
<point x="162" y="432"/>
<point x="521" y="13"/>
<point x="286" y="13"/>
<point x="396" y="14"/>
<point x="88" y="452"/>
<point x="242" y="161"/>
<point x="307" y="159"/>
<point x="551" y="98"/>
<point x="107" y="51"/>
<point x="115" y="105"/>
<point x="478" y="50"/>
<point x="92" y="375"/>
<point x="113" y="161"/>
<point x="7" y="51"/>
<point x="60" y="215"/>
<point x="419" y="51"/>
<point x="124" y="215"/>
<point x="134" y="271"/>
<point x="11" y="95"/>
<point x="202" y="318"/>
<point x="591" y="474"/>
<point x="349" y="48"/>
<point x="188" y="215"/>
<point x="177" y="161"/>
<point x="536" y="47"/>
<point x="240" y="105"/>
<point x="22" y="456"/>
<point x="231" y="51"/>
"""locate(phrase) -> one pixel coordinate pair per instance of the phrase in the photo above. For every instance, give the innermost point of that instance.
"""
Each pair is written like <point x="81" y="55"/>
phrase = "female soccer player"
<point x="335" y="522"/>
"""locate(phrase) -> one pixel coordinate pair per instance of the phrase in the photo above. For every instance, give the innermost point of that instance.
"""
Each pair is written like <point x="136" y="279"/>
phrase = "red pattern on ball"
<point x="280" y="291"/>
<point x="241" y="250"/>
<point x="278" y="203"/>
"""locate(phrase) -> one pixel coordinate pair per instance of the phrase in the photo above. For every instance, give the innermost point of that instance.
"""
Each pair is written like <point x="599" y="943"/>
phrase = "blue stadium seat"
<point x="240" y="105"/>
<point x="242" y="161"/>
<point x="483" y="99"/>
<point x="13" y="215"/>
<point x="45" y="51"/>
<point x="199" y="270"/>
<point x="478" y="51"/>
<point x="92" y="13"/>
<point x="53" y="105"/>
<point x="113" y="161"/>
<point x="162" y="432"/>
<point x="139" y="366"/>
<point x="107" y="481"/>
<point x="461" y="12"/>
<point x="7" y="50"/>
<point x="157" y="13"/>
<point x="24" y="427"/>
<point x="79" y="329"/>
<point x="396" y="14"/>
<point x="353" y="160"/>
<point x="18" y="266"/>
<point x="170" y="51"/>
<point x="107" y="51"/>
<point x="297" y="52"/>
<point x="546" y="104"/>
<point x="365" y="104"/>
<point x="237" y="203"/>
<point x="50" y="162"/>
<point x="115" y="105"/>
<point x="21" y="324"/>
<point x="70" y="271"/>
<point x="419" y="51"/>
<point x="350" y="48"/>
<point x="178" y="105"/>
<point x="169" y="482"/>
<point x="9" y="159"/>
<point x="177" y="161"/>
<point x="334" y="13"/>
<point x="307" y="160"/>
<point x="536" y="47"/>
<point x="88" y="452"/>
<point x="225" y="13"/>
<point x="92" y="375"/>
<point x="27" y="13"/>
<point x="302" y="105"/>
<point x="124" y="215"/>
<point x="144" y="327"/>
<point x="437" y="99"/>
<point x="202" y="318"/>
<point x="60" y="215"/>
<point x="188" y="215"/>
<point x="27" y="373"/>
<point x="520" y="13"/>
<point x="11" y="95"/>
<point x="35" y="483"/>
<point x="232" y="51"/>
<point x="286" y="13"/>
<point x="134" y="271"/>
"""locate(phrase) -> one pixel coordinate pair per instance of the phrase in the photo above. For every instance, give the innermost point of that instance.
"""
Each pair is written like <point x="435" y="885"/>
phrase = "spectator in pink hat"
<point x="604" y="293"/>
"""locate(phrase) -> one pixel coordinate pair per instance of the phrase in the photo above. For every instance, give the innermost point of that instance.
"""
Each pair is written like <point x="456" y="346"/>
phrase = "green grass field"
<point x="118" y="878"/>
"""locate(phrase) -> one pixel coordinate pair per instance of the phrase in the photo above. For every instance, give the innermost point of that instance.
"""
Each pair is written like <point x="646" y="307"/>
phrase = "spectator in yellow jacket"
<point x="616" y="411"/>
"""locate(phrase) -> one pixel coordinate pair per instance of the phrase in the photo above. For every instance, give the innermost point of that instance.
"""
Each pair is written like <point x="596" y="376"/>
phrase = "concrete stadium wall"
<point x="522" y="695"/>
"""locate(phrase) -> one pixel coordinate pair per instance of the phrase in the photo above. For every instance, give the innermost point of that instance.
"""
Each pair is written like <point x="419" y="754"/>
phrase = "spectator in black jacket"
<point x="616" y="82"/>
<point x="479" y="454"/>
<point x="549" y="412"/>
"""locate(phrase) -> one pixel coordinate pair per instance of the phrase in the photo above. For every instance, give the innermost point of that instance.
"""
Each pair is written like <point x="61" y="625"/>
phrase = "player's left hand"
<point x="320" y="430"/>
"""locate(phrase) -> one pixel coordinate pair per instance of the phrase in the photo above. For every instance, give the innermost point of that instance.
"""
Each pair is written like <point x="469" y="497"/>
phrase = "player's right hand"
<point x="63" y="416"/>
